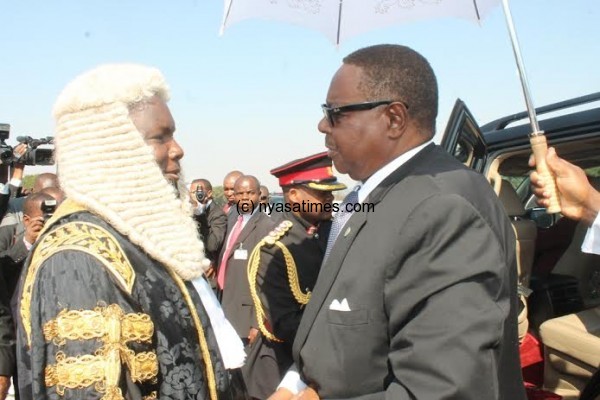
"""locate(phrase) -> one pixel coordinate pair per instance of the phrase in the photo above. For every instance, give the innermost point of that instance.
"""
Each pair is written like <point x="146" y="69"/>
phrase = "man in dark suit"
<point x="229" y="191"/>
<point x="211" y="220"/>
<point x="15" y="242"/>
<point x="10" y="192"/>
<point x="248" y="229"/>
<point x="416" y="298"/>
<point x="43" y="182"/>
<point x="285" y="265"/>
<point x="7" y="339"/>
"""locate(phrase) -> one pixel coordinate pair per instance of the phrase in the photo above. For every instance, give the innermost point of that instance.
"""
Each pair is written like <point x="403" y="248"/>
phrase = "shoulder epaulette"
<point x="273" y="239"/>
<point x="278" y="232"/>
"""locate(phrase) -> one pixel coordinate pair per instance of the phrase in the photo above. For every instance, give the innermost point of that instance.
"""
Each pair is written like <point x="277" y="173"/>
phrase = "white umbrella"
<point x="341" y="19"/>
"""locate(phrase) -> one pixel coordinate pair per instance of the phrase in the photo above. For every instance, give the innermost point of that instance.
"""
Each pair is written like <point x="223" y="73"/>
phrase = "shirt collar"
<point x="374" y="180"/>
<point x="246" y="217"/>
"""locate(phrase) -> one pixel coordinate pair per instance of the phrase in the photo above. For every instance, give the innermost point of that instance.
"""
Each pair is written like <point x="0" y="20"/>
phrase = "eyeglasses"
<point x="332" y="112"/>
<point x="263" y="197"/>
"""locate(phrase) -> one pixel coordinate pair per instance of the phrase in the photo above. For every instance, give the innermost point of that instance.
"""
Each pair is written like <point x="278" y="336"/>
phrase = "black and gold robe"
<point x="99" y="318"/>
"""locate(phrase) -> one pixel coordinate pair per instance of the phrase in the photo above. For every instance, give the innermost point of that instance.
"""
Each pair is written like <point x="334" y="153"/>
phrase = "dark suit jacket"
<point x="430" y="278"/>
<point x="12" y="255"/>
<point x="236" y="301"/>
<point x="5" y="199"/>
<point x="212" y="225"/>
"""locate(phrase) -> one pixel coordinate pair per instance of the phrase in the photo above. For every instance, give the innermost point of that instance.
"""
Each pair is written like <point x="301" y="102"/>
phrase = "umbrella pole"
<point x="537" y="138"/>
<point x="228" y="4"/>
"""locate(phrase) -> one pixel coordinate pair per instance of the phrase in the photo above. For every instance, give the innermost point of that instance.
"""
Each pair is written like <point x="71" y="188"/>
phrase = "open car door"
<point x="463" y="138"/>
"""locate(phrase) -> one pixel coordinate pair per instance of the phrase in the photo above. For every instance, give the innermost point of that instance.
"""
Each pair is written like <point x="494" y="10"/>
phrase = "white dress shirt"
<point x="230" y="344"/>
<point x="6" y="188"/>
<point x="374" y="180"/>
<point x="591" y="243"/>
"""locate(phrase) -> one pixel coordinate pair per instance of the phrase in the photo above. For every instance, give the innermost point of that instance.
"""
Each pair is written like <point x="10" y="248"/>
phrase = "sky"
<point x="250" y="99"/>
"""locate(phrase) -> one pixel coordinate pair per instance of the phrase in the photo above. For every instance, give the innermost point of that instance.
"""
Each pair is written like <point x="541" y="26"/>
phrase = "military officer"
<point x="284" y="266"/>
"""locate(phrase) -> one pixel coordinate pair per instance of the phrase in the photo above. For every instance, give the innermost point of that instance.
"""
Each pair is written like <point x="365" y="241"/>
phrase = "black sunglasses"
<point x="331" y="112"/>
<point x="263" y="197"/>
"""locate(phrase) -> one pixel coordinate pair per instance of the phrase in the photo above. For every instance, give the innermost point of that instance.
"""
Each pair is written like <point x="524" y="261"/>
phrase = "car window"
<point x="277" y="199"/>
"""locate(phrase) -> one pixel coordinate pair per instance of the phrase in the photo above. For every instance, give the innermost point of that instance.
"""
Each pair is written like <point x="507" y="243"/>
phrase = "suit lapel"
<point x="250" y="226"/>
<point x="331" y="267"/>
<point x="327" y="275"/>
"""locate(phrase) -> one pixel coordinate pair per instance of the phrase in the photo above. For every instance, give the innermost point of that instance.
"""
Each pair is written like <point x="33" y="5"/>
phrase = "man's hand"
<point x="4" y="386"/>
<point x="252" y="335"/>
<point x="18" y="152"/>
<point x="281" y="394"/>
<point x="33" y="228"/>
<point x="306" y="394"/>
<point x="193" y="199"/>
<point x="578" y="199"/>
<point x="18" y="166"/>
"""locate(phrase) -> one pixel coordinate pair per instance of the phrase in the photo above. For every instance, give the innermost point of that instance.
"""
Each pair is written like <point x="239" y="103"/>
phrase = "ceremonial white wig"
<point x="104" y="164"/>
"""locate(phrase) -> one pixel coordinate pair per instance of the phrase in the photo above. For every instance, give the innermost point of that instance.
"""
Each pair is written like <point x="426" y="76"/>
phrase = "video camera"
<point x="48" y="207"/>
<point x="200" y="195"/>
<point x="32" y="156"/>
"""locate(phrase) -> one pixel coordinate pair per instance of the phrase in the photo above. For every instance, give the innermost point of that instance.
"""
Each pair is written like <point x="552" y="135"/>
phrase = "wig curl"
<point x="104" y="164"/>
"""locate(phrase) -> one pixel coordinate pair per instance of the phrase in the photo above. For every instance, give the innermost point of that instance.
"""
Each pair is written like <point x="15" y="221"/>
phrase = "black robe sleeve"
<point x="82" y="325"/>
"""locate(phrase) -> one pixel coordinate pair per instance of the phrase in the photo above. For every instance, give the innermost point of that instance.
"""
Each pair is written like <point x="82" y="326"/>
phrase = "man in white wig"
<point x="113" y="303"/>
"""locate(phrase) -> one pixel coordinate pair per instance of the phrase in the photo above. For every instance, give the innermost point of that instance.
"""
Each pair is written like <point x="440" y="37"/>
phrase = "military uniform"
<point x="283" y="269"/>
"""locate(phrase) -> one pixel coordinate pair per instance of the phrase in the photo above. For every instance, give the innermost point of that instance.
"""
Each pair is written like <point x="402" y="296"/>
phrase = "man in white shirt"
<point x="578" y="198"/>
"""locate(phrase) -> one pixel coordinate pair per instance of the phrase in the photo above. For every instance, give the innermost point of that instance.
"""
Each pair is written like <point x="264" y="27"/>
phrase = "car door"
<point x="463" y="138"/>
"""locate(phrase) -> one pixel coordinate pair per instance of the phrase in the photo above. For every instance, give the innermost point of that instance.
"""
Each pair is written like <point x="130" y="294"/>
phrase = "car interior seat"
<point x="571" y="351"/>
<point x="525" y="232"/>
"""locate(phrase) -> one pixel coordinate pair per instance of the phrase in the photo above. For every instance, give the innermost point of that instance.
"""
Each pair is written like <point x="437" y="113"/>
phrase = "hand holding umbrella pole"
<point x="537" y="139"/>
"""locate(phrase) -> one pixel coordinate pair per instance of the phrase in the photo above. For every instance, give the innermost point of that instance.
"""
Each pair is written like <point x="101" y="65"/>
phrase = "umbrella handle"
<point x="540" y="148"/>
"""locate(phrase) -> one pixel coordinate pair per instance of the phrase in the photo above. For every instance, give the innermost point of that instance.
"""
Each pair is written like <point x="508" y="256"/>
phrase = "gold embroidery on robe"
<point x="78" y="236"/>
<point x="114" y="329"/>
<point x="152" y="396"/>
<point x="91" y="324"/>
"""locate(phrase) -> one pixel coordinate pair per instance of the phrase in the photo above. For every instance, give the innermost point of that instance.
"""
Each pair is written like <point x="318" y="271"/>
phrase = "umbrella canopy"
<point x="342" y="19"/>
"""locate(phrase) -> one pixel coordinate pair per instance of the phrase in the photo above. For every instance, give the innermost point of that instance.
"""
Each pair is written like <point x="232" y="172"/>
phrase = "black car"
<point x="276" y="198"/>
<point x="559" y="285"/>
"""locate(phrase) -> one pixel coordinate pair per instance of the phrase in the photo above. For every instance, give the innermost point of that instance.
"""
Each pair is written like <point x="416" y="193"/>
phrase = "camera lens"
<point x="6" y="155"/>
